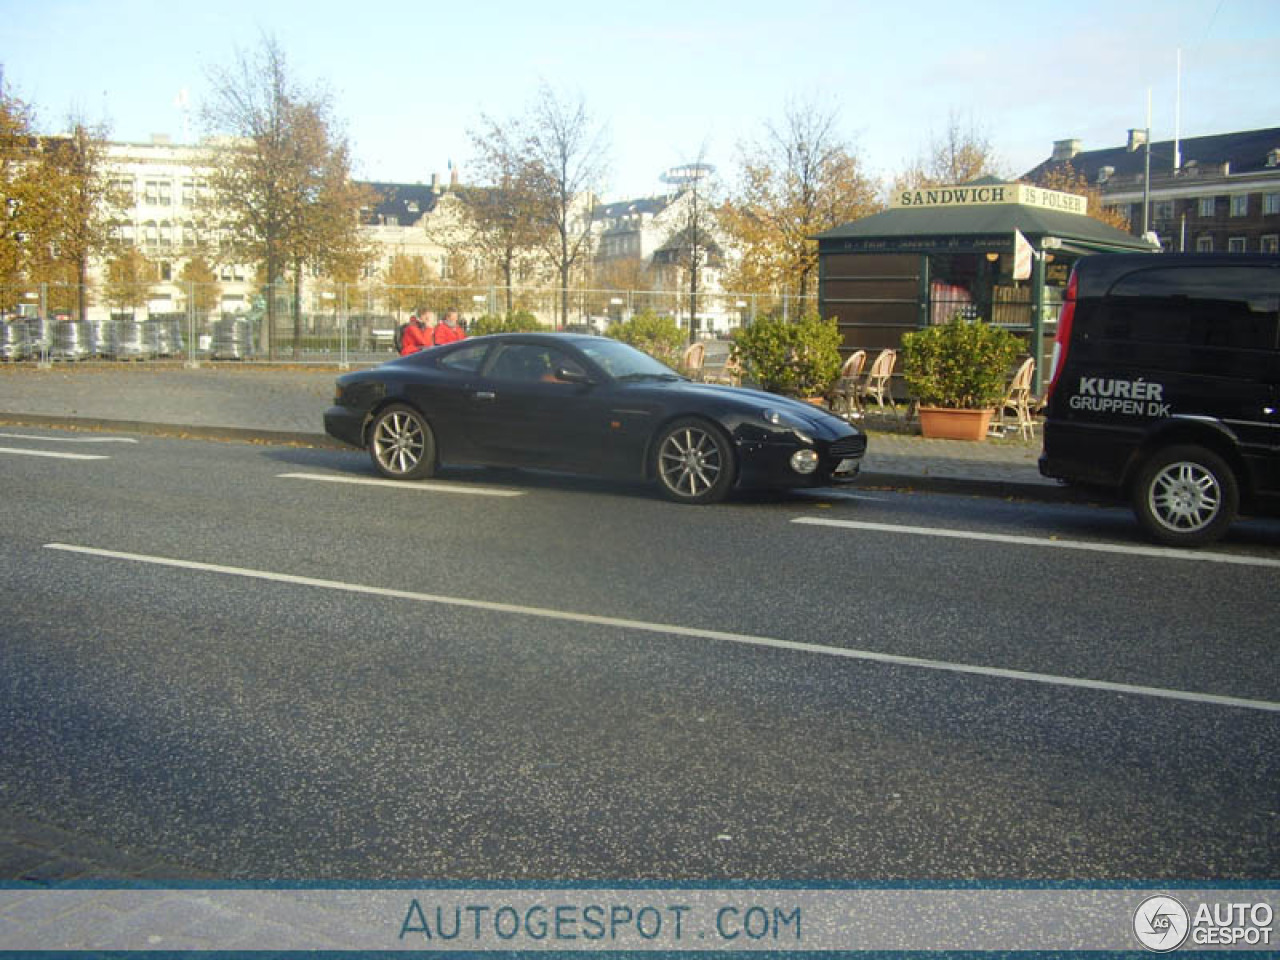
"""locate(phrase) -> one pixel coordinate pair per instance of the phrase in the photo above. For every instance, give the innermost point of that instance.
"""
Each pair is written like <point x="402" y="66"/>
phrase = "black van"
<point x="1166" y="387"/>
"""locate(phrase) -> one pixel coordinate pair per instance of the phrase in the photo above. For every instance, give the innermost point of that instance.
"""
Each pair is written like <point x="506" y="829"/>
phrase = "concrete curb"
<point x="241" y="434"/>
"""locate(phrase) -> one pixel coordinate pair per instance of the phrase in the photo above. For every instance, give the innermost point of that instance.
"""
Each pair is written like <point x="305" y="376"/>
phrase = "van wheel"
<point x="1185" y="496"/>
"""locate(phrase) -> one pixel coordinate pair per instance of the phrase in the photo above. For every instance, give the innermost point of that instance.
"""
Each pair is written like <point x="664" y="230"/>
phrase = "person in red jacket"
<point x="449" y="331"/>
<point x="418" y="334"/>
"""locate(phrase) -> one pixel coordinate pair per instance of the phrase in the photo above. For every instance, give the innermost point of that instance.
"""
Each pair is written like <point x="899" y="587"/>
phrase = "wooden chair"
<point x="730" y="372"/>
<point x="1018" y="400"/>
<point x="846" y="400"/>
<point x="876" y="385"/>
<point x="695" y="356"/>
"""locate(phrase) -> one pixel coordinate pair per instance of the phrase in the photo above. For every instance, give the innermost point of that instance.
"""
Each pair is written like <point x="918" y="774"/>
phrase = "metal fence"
<point x="335" y="323"/>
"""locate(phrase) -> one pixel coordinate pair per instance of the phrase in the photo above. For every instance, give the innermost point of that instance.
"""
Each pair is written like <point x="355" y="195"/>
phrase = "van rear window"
<point x="1220" y="306"/>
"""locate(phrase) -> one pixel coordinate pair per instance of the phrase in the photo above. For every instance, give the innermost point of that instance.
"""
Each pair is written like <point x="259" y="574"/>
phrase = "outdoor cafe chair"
<point x="1018" y="401"/>
<point x="846" y="399"/>
<point x="694" y="357"/>
<point x="876" y="385"/>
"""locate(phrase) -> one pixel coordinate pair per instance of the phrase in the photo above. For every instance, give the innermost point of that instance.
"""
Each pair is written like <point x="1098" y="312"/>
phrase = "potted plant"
<point x="958" y="371"/>
<point x="794" y="358"/>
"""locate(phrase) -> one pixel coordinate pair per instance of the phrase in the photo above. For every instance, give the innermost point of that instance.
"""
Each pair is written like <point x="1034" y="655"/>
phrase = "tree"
<point x="326" y="236"/>
<point x="690" y="239"/>
<point x="799" y="180"/>
<point x="566" y="158"/>
<point x="83" y="206"/>
<point x="405" y="278"/>
<point x="24" y="199"/>
<point x="1065" y="178"/>
<point x="282" y="182"/>
<point x="501" y="203"/>
<point x="204" y="291"/>
<point x="960" y="155"/>
<point x="130" y="277"/>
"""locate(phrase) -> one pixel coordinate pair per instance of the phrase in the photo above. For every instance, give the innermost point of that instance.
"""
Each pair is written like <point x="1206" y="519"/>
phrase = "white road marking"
<point x="26" y="436"/>
<point x="49" y="453"/>
<point x="1130" y="550"/>
<point x="420" y="486"/>
<point x="679" y="631"/>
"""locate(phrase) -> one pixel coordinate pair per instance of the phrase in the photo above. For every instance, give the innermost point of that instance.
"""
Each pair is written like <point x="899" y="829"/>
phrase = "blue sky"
<point x="669" y="80"/>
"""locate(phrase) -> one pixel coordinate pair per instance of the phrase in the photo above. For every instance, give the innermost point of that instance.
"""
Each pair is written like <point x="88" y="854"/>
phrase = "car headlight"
<point x="782" y="420"/>
<point x="804" y="461"/>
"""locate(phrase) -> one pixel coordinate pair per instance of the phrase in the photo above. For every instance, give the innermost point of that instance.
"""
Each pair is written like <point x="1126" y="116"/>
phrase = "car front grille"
<point x="854" y="446"/>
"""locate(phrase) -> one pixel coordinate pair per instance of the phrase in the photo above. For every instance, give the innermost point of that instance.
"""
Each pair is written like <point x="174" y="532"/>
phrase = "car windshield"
<point x="624" y="362"/>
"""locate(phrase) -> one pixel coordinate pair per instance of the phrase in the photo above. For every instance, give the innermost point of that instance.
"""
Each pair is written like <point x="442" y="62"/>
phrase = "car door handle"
<point x="484" y="395"/>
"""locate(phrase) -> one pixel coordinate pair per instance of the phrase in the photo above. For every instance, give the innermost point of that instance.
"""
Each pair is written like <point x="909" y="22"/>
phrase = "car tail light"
<point x="1062" y="342"/>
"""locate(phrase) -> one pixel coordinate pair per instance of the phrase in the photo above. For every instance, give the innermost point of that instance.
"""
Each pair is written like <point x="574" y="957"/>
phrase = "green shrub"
<point x="798" y="359"/>
<point x="660" y="337"/>
<point x="960" y="363"/>
<point x="519" y="322"/>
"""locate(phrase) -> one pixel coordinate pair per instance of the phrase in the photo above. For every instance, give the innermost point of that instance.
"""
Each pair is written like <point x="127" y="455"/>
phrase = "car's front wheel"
<point x="1185" y="496"/>
<point x="401" y="444"/>
<point x="693" y="462"/>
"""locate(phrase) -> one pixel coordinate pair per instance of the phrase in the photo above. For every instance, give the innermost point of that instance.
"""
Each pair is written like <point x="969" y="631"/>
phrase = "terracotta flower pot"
<point x="950" y="423"/>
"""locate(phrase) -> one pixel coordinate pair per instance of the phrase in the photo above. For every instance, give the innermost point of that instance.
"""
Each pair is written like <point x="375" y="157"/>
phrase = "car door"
<point x="445" y="392"/>
<point x="526" y="413"/>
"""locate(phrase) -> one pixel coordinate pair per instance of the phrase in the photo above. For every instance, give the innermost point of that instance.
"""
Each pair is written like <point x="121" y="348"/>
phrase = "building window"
<point x="1207" y="205"/>
<point x="158" y="193"/>
<point x="166" y="270"/>
<point x="1271" y="203"/>
<point x="1270" y="243"/>
<point x="1163" y="210"/>
<point x="1237" y="245"/>
<point x="1204" y="244"/>
<point x="1240" y="205"/>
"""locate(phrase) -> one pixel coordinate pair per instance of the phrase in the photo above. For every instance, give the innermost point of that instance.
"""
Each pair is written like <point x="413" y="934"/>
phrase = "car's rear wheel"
<point x="401" y="444"/>
<point x="1185" y="496"/>
<point x="693" y="462"/>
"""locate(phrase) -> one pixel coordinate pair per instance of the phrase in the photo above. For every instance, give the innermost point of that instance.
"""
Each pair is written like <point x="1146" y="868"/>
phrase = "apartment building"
<point x="162" y="187"/>
<point x="1216" y="193"/>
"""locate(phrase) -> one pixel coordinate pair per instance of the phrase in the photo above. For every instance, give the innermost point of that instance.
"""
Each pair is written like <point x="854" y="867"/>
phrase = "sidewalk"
<point x="286" y="404"/>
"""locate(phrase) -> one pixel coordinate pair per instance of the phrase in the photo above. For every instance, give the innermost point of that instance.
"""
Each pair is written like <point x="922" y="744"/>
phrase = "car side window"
<point x="1219" y="306"/>
<point x="466" y="359"/>
<point x="531" y="363"/>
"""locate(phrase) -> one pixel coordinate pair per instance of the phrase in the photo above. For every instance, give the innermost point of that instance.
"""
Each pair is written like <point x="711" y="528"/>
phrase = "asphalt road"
<point x="231" y="657"/>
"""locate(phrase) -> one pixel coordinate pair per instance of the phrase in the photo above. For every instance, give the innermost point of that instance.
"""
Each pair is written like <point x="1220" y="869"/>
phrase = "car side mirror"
<point x="566" y="375"/>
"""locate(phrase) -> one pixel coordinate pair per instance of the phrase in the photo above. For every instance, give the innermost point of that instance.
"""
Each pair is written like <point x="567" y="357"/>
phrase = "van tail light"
<point x="1062" y="342"/>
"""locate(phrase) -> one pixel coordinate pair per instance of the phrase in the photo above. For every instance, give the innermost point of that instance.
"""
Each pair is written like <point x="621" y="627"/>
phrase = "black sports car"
<point x="585" y="404"/>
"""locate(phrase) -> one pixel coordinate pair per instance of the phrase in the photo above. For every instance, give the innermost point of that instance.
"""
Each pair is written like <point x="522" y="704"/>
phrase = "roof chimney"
<point x="1064" y="150"/>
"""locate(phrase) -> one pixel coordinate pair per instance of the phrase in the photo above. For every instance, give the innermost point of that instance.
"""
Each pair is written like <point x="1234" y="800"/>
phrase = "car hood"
<point x="756" y="400"/>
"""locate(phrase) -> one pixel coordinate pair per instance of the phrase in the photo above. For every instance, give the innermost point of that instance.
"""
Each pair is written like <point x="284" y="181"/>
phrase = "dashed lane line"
<point x="19" y="452"/>
<point x="52" y="439"/>
<point x="1127" y="549"/>
<point x="417" y="485"/>
<point x="679" y="631"/>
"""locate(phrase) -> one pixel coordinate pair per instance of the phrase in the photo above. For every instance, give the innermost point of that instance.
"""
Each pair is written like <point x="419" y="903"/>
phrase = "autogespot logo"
<point x="1161" y="924"/>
